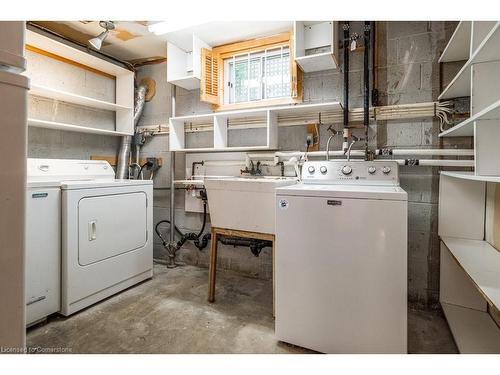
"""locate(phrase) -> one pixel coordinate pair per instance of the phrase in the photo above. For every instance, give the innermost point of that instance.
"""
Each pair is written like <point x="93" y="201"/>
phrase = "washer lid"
<point x="93" y="184"/>
<point x="43" y="184"/>
<point x="344" y="191"/>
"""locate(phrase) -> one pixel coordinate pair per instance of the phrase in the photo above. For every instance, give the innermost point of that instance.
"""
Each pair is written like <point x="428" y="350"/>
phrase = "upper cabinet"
<point x="184" y="66"/>
<point x="315" y="45"/>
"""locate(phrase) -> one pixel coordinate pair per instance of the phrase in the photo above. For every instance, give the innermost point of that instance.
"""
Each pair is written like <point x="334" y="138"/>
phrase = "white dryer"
<point x="341" y="259"/>
<point x="107" y="241"/>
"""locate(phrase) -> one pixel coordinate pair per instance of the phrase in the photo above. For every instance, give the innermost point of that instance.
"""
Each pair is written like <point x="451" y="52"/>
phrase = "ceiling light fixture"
<point x="97" y="41"/>
<point x="165" y="27"/>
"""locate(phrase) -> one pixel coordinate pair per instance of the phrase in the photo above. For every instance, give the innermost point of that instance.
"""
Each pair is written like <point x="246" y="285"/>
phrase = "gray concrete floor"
<point x="170" y="314"/>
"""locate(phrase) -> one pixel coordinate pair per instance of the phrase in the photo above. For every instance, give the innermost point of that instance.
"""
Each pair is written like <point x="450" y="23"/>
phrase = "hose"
<point x="146" y="164"/>
<point x="201" y="242"/>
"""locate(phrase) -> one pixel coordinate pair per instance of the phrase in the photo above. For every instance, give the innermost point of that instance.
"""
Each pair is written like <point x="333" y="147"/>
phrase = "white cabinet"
<point x="184" y="64"/>
<point x="315" y="45"/>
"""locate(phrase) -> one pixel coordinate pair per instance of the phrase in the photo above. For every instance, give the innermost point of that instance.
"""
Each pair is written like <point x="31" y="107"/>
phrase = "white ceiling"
<point x="223" y="32"/>
<point x="132" y="41"/>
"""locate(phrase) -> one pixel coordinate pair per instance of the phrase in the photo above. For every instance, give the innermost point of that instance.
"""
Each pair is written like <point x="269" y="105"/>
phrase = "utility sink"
<point x="244" y="203"/>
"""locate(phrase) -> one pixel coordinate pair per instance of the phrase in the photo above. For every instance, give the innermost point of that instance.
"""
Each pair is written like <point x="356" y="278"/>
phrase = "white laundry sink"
<point x="244" y="203"/>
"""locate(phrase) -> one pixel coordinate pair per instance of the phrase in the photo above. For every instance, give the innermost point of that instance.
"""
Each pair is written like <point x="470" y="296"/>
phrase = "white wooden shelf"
<point x="71" y="127"/>
<point x="458" y="48"/>
<point x="460" y="85"/>
<point x="466" y="127"/>
<point x="487" y="51"/>
<point x="68" y="97"/>
<point x="270" y="115"/>
<point x="481" y="262"/>
<point x="124" y="87"/>
<point x="471" y="176"/>
<point x="227" y="149"/>
<point x="474" y="331"/>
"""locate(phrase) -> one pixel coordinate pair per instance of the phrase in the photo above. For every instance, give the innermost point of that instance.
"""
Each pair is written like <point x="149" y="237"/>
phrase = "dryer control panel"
<point x="380" y="172"/>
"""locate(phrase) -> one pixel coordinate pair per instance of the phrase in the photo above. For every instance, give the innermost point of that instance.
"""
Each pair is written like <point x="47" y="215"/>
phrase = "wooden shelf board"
<point x="226" y="149"/>
<point x="458" y="47"/>
<point x="471" y="176"/>
<point x="460" y="85"/>
<point x="298" y="109"/>
<point x="186" y="82"/>
<point x="474" y="331"/>
<point x="68" y="97"/>
<point x="317" y="62"/>
<point x="466" y="128"/>
<point x="70" y="53"/>
<point x="481" y="262"/>
<point x="71" y="127"/>
<point x="488" y="49"/>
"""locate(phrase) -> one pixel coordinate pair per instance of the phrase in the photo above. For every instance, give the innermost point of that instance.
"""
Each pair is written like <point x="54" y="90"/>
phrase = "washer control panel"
<point x="380" y="172"/>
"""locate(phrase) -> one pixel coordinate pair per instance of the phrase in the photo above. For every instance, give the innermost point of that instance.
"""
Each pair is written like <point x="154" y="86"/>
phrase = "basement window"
<point x="255" y="76"/>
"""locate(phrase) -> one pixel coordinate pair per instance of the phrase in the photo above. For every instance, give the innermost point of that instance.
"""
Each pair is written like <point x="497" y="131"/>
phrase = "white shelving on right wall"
<point x="479" y="78"/>
<point x="469" y="202"/>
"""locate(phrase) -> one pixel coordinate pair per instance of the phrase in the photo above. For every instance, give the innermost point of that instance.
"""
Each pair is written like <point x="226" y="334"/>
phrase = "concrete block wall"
<point x="407" y="72"/>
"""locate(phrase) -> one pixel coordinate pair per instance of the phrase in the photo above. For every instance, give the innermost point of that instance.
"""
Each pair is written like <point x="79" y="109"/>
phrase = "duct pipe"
<point x="126" y="144"/>
<point x="366" y="79"/>
<point x="346" y="84"/>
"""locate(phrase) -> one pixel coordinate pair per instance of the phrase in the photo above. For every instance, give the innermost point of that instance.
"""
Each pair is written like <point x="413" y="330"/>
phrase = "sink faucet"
<point x="253" y="171"/>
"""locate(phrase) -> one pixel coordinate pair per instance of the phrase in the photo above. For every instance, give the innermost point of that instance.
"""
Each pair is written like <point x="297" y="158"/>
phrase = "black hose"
<point x="146" y="164"/>
<point x="159" y="233"/>
<point x="200" y="242"/>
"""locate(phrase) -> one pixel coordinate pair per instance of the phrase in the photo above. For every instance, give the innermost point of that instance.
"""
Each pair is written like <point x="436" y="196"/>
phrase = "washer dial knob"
<point x="346" y="170"/>
<point x="311" y="169"/>
<point x="372" y="169"/>
<point x="386" y="170"/>
<point x="323" y="169"/>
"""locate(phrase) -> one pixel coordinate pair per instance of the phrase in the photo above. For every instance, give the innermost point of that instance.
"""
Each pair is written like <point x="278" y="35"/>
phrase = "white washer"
<point x="42" y="243"/>
<point x="341" y="259"/>
<point x="107" y="241"/>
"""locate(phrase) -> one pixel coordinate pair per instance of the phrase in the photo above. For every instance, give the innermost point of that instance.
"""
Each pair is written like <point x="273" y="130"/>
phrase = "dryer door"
<point x="111" y="225"/>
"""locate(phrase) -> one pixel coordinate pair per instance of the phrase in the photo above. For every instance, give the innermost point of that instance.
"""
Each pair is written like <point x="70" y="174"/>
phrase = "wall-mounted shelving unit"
<point x="124" y="81"/>
<point x="184" y="64"/>
<point x="315" y="45"/>
<point x="469" y="204"/>
<point x="178" y="126"/>
<point x="479" y="78"/>
<point x="470" y="261"/>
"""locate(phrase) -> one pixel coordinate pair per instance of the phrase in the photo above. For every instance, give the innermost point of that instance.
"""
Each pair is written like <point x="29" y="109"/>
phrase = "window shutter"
<point x="211" y="67"/>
